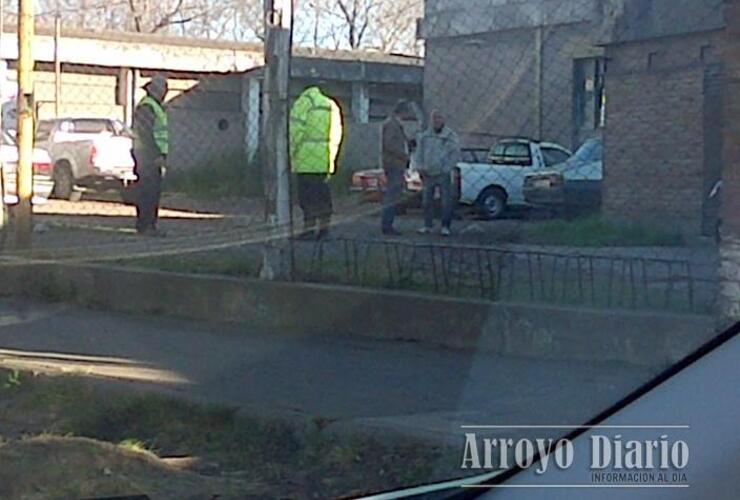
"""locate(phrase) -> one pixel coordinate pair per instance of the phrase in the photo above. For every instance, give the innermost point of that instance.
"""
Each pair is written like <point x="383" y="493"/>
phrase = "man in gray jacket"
<point x="438" y="153"/>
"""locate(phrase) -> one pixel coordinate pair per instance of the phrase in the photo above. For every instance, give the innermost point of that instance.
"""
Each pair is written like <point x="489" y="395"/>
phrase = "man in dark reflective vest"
<point x="151" y="147"/>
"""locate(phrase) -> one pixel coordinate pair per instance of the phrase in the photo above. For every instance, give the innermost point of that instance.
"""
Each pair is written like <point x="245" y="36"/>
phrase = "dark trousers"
<point x="392" y="197"/>
<point x="431" y="183"/>
<point x="148" y="191"/>
<point x="314" y="198"/>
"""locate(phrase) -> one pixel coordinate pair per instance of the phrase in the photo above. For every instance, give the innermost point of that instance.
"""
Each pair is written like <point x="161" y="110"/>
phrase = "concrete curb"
<point x="545" y="332"/>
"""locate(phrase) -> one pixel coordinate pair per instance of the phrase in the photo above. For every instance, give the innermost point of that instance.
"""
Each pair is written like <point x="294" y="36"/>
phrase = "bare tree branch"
<point x="388" y="25"/>
<point x="136" y="15"/>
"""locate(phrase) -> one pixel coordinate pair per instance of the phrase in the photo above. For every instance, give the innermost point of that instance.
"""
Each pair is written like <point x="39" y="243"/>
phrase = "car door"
<point x="583" y="175"/>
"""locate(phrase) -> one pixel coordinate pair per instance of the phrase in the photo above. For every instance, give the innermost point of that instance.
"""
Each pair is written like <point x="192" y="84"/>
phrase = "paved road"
<point x="404" y="386"/>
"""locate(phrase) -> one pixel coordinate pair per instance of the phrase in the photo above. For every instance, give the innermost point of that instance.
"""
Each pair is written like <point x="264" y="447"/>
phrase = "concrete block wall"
<point x="207" y="124"/>
<point x="488" y="84"/>
<point x="83" y="95"/>
<point x="485" y="87"/>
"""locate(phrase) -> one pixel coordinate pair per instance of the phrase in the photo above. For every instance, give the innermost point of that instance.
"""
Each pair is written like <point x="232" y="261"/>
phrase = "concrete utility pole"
<point x="276" y="163"/>
<point x="23" y="215"/>
<point x="538" y="75"/>
<point x="57" y="64"/>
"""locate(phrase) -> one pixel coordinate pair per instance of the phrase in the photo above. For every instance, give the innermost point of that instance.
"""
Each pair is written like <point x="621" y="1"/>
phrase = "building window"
<point x="652" y="61"/>
<point x="588" y="93"/>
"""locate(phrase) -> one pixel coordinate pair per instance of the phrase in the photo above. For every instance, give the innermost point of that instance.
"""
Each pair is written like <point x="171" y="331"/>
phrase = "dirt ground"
<point x="103" y="222"/>
<point x="67" y="437"/>
<point x="51" y="467"/>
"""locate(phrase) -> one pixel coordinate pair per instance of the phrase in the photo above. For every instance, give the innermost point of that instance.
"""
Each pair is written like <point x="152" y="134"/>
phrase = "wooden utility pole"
<point x="277" y="258"/>
<point x="23" y="215"/>
<point x="3" y="77"/>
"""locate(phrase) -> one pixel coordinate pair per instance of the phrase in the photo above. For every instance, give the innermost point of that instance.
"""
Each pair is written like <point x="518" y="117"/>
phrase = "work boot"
<point x="151" y="232"/>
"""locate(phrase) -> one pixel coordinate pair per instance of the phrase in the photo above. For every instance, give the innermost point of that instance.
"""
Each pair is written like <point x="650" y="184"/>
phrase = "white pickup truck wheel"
<point x="64" y="183"/>
<point x="492" y="203"/>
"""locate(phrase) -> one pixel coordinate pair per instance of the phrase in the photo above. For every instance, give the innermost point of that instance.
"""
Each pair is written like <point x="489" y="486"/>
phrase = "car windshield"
<point x="365" y="246"/>
<point x="590" y="151"/>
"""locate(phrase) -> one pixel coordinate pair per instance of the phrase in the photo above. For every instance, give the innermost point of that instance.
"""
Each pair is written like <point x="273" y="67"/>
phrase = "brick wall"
<point x="729" y="297"/>
<point x="654" y="148"/>
<point x="659" y="119"/>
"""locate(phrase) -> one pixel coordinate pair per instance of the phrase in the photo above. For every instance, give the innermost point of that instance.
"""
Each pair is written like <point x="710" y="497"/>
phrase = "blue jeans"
<point x="431" y="183"/>
<point x="392" y="197"/>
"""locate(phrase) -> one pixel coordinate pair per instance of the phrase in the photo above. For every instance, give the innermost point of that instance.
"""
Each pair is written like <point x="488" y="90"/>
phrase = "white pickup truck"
<point x="493" y="186"/>
<point x="87" y="153"/>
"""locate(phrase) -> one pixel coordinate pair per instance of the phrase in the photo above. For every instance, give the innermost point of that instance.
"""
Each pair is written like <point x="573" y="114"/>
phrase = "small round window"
<point x="223" y="124"/>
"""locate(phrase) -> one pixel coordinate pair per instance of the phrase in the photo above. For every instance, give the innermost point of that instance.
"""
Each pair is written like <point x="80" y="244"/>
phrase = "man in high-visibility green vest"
<point x="151" y="147"/>
<point x="315" y="138"/>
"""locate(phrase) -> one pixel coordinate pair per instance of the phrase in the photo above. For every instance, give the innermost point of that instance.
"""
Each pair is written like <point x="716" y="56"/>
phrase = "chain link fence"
<point x="579" y="143"/>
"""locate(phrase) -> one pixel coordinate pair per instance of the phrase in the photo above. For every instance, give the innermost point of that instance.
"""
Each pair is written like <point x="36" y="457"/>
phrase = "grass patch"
<point x="225" y="262"/>
<point x="297" y="460"/>
<point x="596" y="232"/>
<point x="226" y="178"/>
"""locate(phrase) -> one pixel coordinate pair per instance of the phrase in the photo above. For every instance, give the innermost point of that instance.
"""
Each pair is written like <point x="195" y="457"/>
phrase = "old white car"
<point x="497" y="184"/>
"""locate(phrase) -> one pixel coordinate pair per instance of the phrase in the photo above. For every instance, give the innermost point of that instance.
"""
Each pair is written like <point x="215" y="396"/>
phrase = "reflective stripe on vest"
<point x="160" y="130"/>
<point x="310" y="130"/>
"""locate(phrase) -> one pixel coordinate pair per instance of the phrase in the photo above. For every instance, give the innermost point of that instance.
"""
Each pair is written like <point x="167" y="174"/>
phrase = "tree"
<point x="386" y="25"/>
<point x="394" y="25"/>
<point x="356" y="15"/>
<point x="233" y="19"/>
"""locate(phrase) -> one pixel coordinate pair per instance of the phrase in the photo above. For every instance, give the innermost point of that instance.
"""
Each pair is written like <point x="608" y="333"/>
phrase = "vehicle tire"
<point x="64" y="183"/>
<point x="492" y="203"/>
